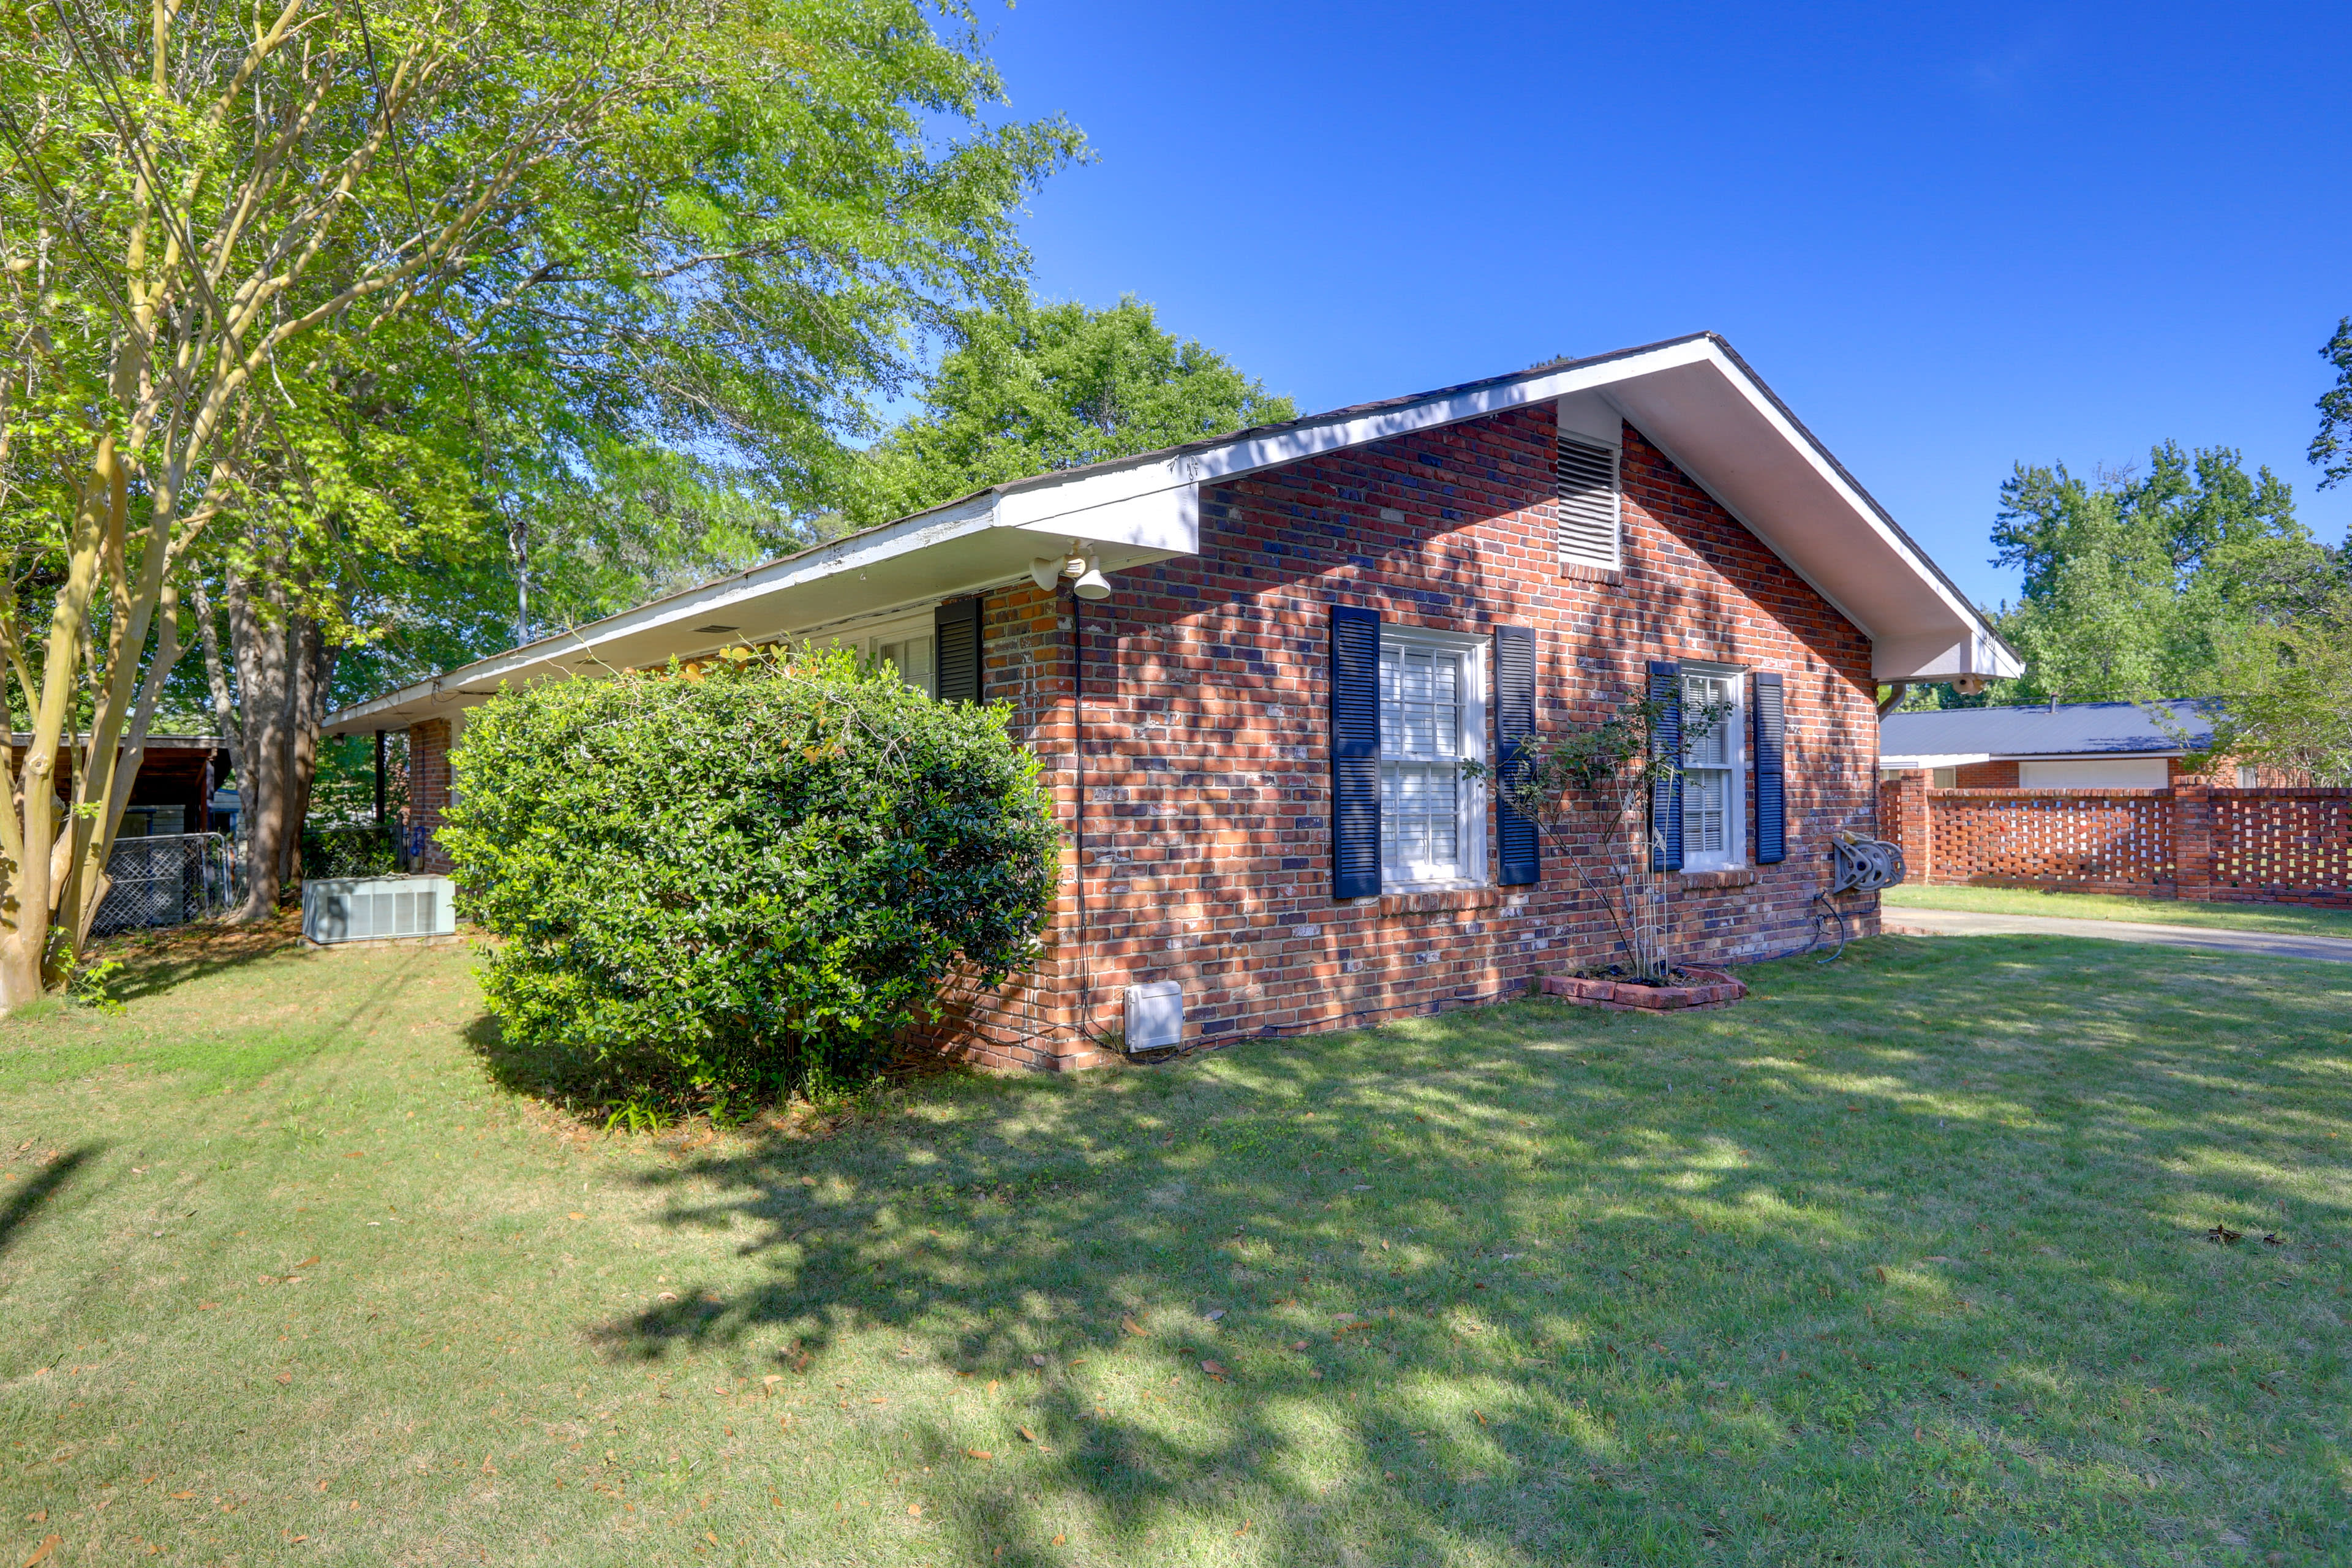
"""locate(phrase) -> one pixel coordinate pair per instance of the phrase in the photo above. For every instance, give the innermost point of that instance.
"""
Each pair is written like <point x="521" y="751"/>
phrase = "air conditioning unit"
<point x="378" y="909"/>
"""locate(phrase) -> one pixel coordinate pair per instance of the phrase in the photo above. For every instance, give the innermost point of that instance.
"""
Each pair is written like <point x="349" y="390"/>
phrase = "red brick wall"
<point x="1985" y="775"/>
<point x="428" y="788"/>
<point x="1207" y="785"/>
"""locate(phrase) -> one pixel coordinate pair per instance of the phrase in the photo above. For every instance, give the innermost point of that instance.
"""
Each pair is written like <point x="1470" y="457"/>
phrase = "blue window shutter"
<point x="1772" y="784"/>
<point x="1516" y="844"/>
<point x="1667" y="790"/>
<point x="1355" y="752"/>
<point x="955" y="655"/>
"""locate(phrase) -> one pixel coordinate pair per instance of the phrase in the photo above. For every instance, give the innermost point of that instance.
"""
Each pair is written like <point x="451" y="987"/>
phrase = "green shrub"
<point x="725" y="886"/>
<point x="336" y="852"/>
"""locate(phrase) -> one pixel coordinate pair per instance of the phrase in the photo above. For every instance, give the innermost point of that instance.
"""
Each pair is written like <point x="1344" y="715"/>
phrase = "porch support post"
<point x="379" y="778"/>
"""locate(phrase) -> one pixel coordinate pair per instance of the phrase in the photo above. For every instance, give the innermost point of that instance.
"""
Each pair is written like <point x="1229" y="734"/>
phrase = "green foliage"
<point x="2135" y="585"/>
<point x="741" y="882"/>
<point x="88" y="983"/>
<point x="335" y="852"/>
<point x="1034" y="388"/>
<point x="2281" y="701"/>
<point x="2331" y="450"/>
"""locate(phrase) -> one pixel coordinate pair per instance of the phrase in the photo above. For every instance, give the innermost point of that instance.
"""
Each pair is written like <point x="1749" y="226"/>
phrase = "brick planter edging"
<point x="1715" y="989"/>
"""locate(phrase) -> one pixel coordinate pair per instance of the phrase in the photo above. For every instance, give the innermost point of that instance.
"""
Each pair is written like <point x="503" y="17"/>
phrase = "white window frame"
<point x="1733" y="856"/>
<point x="1470" y="797"/>
<point x="868" y="640"/>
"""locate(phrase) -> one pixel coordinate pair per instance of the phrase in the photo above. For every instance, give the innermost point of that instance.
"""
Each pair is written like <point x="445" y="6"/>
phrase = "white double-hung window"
<point x="1433" y="719"/>
<point x="1714" y="781"/>
<point x="913" y="658"/>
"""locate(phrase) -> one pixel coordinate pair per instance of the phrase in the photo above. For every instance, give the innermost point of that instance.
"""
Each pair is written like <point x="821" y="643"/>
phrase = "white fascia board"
<point x="966" y="517"/>
<point x="1908" y="761"/>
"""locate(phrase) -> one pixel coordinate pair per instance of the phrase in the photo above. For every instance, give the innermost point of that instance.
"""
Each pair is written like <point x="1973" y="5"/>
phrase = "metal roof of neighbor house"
<point x="1692" y="396"/>
<point x="2069" y="729"/>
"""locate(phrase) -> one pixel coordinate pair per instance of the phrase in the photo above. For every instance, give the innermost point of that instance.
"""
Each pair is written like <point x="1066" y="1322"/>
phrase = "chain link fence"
<point x="166" y="880"/>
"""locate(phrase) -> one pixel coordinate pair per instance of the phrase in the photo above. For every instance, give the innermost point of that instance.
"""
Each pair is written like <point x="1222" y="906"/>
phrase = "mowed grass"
<point x="1905" y="1260"/>
<point x="2288" y="920"/>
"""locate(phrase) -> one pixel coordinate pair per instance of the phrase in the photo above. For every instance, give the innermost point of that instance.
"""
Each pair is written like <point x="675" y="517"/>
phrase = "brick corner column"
<point x="2192" y="842"/>
<point x="1903" y="817"/>
<point x="428" y="791"/>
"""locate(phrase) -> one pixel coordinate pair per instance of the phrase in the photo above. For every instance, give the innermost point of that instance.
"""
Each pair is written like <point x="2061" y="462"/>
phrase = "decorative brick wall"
<point x="2259" y="846"/>
<point x="1206" y="793"/>
<point x="2281" y="845"/>
<point x="2084" y="839"/>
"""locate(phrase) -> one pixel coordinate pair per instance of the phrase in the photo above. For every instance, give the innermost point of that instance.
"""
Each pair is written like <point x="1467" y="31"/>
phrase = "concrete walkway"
<point x="1968" y="922"/>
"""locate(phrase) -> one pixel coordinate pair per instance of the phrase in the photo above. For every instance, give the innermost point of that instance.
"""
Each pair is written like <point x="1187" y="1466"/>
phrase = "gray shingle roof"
<point x="2041" y="731"/>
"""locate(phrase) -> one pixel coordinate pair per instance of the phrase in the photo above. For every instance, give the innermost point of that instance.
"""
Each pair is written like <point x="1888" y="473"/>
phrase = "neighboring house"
<point x="1254" y="739"/>
<point x="2066" y="745"/>
<point x="172" y="789"/>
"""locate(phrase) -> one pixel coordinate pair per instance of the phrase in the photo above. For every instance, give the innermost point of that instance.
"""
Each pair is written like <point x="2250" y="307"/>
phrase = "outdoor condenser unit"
<point x="1155" y="1016"/>
<point x="375" y="909"/>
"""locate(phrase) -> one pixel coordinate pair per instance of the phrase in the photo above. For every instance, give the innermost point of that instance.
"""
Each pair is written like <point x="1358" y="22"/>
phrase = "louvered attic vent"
<point x="1590" y="531"/>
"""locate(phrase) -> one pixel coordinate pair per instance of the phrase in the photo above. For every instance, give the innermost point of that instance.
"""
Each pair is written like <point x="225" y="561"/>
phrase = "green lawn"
<point x="1905" y="1260"/>
<point x="2292" y="920"/>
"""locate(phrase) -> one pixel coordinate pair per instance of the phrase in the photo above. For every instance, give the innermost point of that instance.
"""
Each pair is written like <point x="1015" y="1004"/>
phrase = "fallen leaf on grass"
<point x="1131" y="1326"/>
<point x="2273" y="1239"/>
<point x="980" y="1453"/>
<point x="285" y="1378"/>
<point x="1027" y="1434"/>
<point x="2221" y="1234"/>
<point x="182" y="1497"/>
<point x="914" y="1511"/>
<point x="1214" y="1314"/>
<point x="1060" y="1539"/>
<point x="41" y="1552"/>
<point x="1213" y="1369"/>
<point x="1299" y="1346"/>
<point x="575" y="1215"/>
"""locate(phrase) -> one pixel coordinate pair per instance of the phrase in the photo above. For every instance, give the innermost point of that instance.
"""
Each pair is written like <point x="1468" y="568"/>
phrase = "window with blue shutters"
<point x="1408" y="708"/>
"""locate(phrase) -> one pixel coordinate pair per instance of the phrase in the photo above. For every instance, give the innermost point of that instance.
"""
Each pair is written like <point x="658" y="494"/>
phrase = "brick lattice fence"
<point x="2255" y="846"/>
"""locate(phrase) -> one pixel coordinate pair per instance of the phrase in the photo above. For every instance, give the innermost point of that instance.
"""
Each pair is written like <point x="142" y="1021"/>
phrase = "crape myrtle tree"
<point x="702" y="216"/>
<point x="1593" y="789"/>
<point x="722" y="883"/>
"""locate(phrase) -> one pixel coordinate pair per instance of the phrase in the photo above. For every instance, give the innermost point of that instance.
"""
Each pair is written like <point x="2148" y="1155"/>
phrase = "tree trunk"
<point x="257" y="635"/>
<point x="225" y="710"/>
<point x="313" y="672"/>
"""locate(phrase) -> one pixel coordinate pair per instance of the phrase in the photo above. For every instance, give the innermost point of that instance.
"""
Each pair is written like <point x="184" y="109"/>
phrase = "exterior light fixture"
<point x="1045" y="571"/>
<point x="1092" y="584"/>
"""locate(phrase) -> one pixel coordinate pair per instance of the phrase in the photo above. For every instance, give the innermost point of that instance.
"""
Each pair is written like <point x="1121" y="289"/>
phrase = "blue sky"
<point x="1951" y="237"/>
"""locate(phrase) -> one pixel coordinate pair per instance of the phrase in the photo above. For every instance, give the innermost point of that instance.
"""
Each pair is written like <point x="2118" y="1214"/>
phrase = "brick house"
<point x="1254" y="716"/>
<point x="2061" y="745"/>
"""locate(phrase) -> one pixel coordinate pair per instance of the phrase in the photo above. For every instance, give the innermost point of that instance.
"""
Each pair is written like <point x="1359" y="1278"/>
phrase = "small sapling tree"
<point x="1591" y="790"/>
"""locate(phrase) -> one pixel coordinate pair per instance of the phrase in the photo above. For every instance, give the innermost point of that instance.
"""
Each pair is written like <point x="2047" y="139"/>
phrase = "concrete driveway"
<point x="1968" y="922"/>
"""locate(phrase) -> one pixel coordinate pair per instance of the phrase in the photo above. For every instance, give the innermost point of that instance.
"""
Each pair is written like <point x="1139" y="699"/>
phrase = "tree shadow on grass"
<point x="1864" y="1268"/>
<point x="26" y="1205"/>
<point x="160" y="960"/>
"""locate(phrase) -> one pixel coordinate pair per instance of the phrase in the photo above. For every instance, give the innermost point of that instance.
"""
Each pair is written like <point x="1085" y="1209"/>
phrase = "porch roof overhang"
<point x="1692" y="396"/>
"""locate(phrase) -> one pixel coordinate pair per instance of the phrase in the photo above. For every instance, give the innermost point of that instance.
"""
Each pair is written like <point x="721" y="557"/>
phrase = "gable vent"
<point x="1590" y="530"/>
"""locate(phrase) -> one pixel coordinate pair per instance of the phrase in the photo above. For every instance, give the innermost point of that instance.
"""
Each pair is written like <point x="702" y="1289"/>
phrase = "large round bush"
<point x="743" y="879"/>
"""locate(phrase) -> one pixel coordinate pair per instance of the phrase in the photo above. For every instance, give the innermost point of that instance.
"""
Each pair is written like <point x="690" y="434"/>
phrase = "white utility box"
<point x="378" y="909"/>
<point x="1155" y="1016"/>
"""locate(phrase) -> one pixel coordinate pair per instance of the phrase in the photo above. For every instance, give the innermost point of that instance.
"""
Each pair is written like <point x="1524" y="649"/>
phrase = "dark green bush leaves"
<point x="743" y="880"/>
